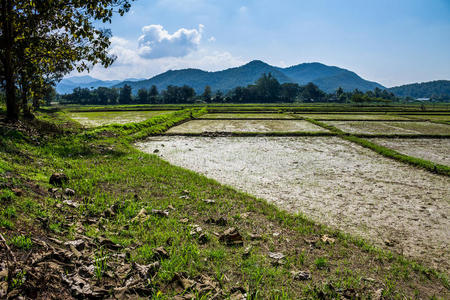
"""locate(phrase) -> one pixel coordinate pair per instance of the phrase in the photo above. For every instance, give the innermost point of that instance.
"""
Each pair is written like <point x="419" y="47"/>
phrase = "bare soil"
<point x="93" y="119"/>
<point x="248" y="116"/>
<point x="361" y="127"/>
<point x="332" y="181"/>
<point x="435" y="150"/>
<point x="351" y="116"/>
<point x="199" y="126"/>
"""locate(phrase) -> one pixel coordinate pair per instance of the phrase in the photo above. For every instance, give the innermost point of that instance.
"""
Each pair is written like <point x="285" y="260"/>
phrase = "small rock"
<point x="69" y="192"/>
<point x="156" y="151"/>
<point x="276" y="255"/>
<point x="184" y="220"/>
<point x="301" y="275"/>
<point x="58" y="179"/>
<point x="231" y="237"/>
<point x="275" y="234"/>
<point x="170" y="207"/>
<point x="209" y="201"/>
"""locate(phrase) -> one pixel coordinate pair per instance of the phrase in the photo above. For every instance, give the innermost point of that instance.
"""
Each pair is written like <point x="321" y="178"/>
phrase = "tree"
<point x="289" y="91"/>
<point x="268" y="87"/>
<point x="206" y="96"/>
<point x="125" y="95"/>
<point x="40" y="39"/>
<point x="153" y="95"/>
<point x="312" y="92"/>
<point x="218" y="97"/>
<point x="142" y="97"/>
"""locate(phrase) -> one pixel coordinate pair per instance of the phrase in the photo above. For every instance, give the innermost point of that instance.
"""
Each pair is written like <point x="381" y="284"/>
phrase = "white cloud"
<point x="156" y="42"/>
<point x="130" y="62"/>
<point x="212" y="39"/>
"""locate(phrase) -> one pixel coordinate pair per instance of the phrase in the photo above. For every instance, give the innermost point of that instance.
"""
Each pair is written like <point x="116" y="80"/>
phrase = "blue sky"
<point x="392" y="42"/>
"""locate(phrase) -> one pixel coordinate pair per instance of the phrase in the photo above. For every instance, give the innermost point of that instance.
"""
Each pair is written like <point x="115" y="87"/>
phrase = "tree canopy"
<point x="43" y="40"/>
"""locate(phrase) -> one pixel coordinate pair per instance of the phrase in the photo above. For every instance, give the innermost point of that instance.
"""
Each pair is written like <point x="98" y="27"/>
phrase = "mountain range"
<point x="327" y="78"/>
<point x="67" y="85"/>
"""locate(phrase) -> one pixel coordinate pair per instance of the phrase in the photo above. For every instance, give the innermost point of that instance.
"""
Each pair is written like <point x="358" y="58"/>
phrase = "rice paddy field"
<point x="361" y="127"/>
<point x="352" y="116"/>
<point x="99" y="118"/>
<point x="200" y="126"/>
<point x="231" y="201"/>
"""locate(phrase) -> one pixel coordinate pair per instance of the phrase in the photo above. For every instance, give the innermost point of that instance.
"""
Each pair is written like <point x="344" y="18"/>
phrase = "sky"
<point x="392" y="42"/>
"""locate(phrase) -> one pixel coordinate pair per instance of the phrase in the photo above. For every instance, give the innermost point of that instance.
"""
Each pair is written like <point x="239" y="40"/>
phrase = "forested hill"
<point x="328" y="78"/>
<point x="67" y="85"/>
<point x="431" y="89"/>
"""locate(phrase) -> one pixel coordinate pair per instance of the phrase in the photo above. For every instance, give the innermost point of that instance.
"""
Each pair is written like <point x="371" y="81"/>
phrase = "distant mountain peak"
<point x="328" y="78"/>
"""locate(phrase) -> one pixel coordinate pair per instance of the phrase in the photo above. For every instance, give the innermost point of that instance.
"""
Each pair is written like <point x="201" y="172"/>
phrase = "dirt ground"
<point x="362" y="127"/>
<point x="93" y="119"/>
<point x="199" y="126"/>
<point x="351" y="116"/>
<point x="332" y="181"/>
<point x="435" y="150"/>
<point x="247" y="116"/>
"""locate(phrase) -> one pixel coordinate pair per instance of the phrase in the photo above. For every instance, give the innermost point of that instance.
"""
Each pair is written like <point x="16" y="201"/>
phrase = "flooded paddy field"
<point x="93" y="119"/>
<point x="435" y="150"/>
<point x="246" y="116"/>
<point x="199" y="126"/>
<point x="391" y="127"/>
<point x="344" y="116"/>
<point x="332" y="181"/>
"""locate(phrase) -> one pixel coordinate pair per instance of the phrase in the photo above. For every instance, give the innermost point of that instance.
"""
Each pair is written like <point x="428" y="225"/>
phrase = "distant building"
<point x="423" y="99"/>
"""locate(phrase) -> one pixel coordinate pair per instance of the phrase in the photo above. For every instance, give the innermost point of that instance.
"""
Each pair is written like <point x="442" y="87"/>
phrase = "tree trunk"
<point x="12" y="107"/>
<point x="24" y="95"/>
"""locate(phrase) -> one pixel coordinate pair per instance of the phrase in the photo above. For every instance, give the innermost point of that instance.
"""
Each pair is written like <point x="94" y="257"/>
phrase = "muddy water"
<point x="333" y="182"/>
<point x="391" y="127"/>
<point x="435" y="150"/>
<point x="199" y="126"/>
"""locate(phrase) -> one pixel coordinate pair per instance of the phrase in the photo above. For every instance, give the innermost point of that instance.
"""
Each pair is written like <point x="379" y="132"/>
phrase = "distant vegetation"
<point x="267" y="89"/>
<point x="438" y="90"/>
<point x="327" y="78"/>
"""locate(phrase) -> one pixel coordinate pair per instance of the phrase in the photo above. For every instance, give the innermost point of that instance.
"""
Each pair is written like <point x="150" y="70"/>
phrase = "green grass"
<point x="21" y="242"/>
<point x="105" y="170"/>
